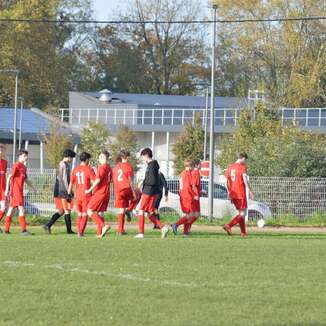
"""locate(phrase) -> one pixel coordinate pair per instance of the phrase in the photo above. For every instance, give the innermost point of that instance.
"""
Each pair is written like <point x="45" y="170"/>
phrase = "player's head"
<point x="188" y="164"/>
<point x="196" y="163"/>
<point x="124" y="155"/>
<point x="242" y="157"/>
<point x="118" y="159"/>
<point x="85" y="157"/>
<point x="22" y="156"/>
<point x="2" y="150"/>
<point x="68" y="155"/>
<point x="146" y="154"/>
<point x="104" y="157"/>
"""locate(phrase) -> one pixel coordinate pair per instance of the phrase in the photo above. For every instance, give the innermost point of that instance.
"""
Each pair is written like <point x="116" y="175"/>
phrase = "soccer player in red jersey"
<point x="123" y="174"/>
<point x="63" y="201"/>
<point x="100" y="198"/>
<point x="151" y="188"/>
<point x="196" y="181"/>
<point x="81" y="179"/>
<point x="3" y="173"/>
<point x="187" y="196"/>
<point x="15" y="189"/>
<point x="238" y="186"/>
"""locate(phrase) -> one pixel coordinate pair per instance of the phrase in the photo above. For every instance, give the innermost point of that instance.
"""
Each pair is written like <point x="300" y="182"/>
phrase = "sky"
<point x="106" y="9"/>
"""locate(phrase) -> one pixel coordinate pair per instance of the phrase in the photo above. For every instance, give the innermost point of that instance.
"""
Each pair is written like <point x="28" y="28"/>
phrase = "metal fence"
<point x="302" y="197"/>
<point x="161" y="116"/>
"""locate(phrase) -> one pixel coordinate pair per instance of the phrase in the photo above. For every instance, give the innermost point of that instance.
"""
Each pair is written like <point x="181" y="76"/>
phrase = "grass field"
<point x="208" y="279"/>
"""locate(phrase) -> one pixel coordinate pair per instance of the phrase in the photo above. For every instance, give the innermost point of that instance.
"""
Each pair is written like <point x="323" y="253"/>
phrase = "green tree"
<point x="125" y="138"/>
<point x="55" y="143"/>
<point x="189" y="144"/>
<point x="94" y="139"/>
<point x="274" y="150"/>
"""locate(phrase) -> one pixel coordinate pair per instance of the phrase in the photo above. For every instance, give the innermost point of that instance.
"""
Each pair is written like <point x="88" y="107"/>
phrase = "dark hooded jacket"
<point x="151" y="183"/>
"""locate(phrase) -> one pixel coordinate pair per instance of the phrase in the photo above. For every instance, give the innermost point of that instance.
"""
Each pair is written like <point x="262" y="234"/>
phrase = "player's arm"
<point x="94" y="184"/>
<point x="165" y="186"/>
<point x="30" y="184"/>
<point x="228" y="186"/>
<point x="8" y="184"/>
<point x="247" y="184"/>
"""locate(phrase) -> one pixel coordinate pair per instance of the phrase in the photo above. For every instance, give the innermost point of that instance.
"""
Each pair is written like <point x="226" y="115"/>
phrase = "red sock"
<point x="99" y="222"/>
<point x="242" y="223"/>
<point x="186" y="228"/>
<point x="182" y="220"/>
<point x="82" y="225"/>
<point x="121" y="223"/>
<point x="22" y="222"/>
<point x="8" y="223"/>
<point x="141" y="223"/>
<point x="2" y="214"/>
<point x="155" y="221"/>
<point x="234" y="221"/>
<point x="78" y="220"/>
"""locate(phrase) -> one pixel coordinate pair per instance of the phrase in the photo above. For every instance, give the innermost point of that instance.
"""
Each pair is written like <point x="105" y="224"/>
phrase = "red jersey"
<point x="196" y="181"/>
<point x="122" y="173"/>
<point x="186" y="185"/>
<point x="234" y="174"/>
<point x="3" y="171"/>
<point x="18" y="178"/>
<point x="81" y="177"/>
<point x="104" y="173"/>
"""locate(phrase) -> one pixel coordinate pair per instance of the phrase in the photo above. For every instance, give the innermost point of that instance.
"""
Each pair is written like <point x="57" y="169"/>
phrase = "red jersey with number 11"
<point x="81" y="178"/>
<point x="122" y="173"/>
<point x="234" y="174"/>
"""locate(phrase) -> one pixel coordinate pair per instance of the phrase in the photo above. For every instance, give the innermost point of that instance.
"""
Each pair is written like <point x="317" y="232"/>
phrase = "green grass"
<point x="208" y="279"/>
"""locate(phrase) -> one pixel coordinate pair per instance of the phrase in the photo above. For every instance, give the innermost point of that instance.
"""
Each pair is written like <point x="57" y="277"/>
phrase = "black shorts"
<point x="158" y="200"/>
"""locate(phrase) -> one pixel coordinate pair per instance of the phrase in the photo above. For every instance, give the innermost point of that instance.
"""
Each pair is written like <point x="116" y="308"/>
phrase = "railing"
<point x="303" y="117"/>
<point x="300" y="197"/>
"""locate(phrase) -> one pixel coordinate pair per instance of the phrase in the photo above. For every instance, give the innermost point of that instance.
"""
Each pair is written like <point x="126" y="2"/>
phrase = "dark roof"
<point x="165" y="100"/>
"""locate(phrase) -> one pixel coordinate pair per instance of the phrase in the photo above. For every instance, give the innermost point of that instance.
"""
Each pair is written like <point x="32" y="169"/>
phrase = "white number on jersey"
<point x="120" y="175"/>
<point x="233" y="175"/>
<point x="80" y="178"/>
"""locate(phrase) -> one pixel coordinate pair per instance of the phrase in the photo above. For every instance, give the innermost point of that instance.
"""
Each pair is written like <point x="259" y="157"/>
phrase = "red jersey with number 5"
<point x="104" y="173"/>
<point x="122" y="173"/>
<point x="234" y="174"/>
<point x="81" y="178"/>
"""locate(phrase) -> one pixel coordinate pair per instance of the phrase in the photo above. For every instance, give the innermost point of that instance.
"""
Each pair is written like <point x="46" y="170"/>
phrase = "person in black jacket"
<point x="61" y="197"/>
<point x="163" y="186"/>
<point x="150" y="191"/>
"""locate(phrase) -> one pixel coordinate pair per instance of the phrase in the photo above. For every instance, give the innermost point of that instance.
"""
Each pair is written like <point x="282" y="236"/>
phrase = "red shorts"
<point x="123" y="198"/>
<point x="81" y="204"/>
<point x="61" y="204"/>
<point x="147" y="203"/>
<point x="99" y="203"/>
<point x="187" y="205"/>
<point x="240" y="204"/>
<point x="16" y="200"/>
<point x="2" y="195"/>
<point x="196" y="206"/>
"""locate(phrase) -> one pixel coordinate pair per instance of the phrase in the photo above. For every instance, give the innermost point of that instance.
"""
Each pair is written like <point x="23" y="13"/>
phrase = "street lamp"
<point x="212" y="122"/>
<point x="20" y="122"/>
<point x="16" y="73"/>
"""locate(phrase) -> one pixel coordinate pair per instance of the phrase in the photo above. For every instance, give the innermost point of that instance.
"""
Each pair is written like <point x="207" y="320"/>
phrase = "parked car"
<point x="222" y="205"/>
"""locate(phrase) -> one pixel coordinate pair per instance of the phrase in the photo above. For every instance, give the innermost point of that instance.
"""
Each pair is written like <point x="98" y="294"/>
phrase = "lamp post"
<point x="205" y="124"/>
<point x="16" y="73"/>
<point x="20" y="122"/>
<point x="211" y="129"/>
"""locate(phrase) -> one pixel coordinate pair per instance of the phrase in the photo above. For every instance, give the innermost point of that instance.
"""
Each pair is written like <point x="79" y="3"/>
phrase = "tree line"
<point x="286" y="59"/>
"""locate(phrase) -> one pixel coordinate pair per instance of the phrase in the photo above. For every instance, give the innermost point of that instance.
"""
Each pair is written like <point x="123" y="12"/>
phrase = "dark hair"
<point x="106" y="153"/>
<point x="118" y="159"/>
<point x="243" y="155"/>
<point x="69" y="153"/>
<point x="196" y="161"/>
<point x="147" y="152"/>
<point x="124" y="154"/>
<point x="84" y="156"/>
<point x="22" y="152"/>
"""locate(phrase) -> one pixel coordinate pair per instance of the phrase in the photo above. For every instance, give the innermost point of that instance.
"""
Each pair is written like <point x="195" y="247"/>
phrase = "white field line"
<point x="60" y="267"/>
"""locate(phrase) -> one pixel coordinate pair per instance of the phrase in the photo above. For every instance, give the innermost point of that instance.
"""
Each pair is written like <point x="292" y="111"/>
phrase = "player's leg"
<point x="190" y="222"/>
<point x="141" y="224"/>
<point x="84" y="218"/>
<point x="157" y="207"/>
<point x="121" y="221"/>
<point x="10" y="213"/>
<point x="2" y="210"/>
<point x="22" y="220"/>
<point x="242" y="222"/>
<point x="59" y="212"/>
<point x="67" y="215"/>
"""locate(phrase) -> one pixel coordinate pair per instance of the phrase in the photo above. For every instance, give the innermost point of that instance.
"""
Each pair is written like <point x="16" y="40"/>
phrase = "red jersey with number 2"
<point x="122" y="173"/>
<point x="81" y="177"/>
<point x="234" y="174"/>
